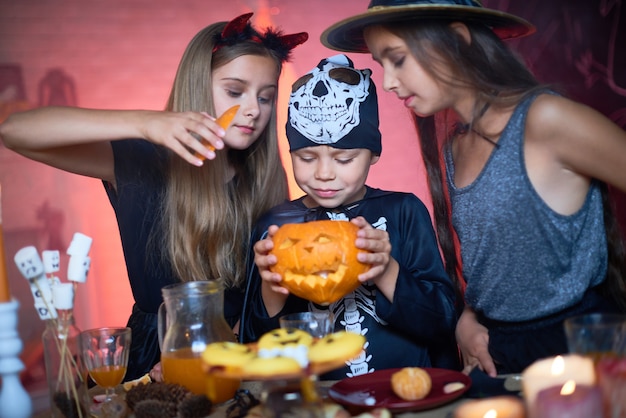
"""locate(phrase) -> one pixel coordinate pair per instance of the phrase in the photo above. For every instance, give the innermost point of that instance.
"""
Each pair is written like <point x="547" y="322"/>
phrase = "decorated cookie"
<point x="340" y="345"/>
<point x="286" y="342"/>
<point x="227" y="354"/>
<point x="273" y="366"/>
<point x="284" y="337"/>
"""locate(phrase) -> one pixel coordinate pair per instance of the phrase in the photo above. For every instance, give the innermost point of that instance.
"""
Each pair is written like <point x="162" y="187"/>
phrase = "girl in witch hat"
<point x="517" y="172"/>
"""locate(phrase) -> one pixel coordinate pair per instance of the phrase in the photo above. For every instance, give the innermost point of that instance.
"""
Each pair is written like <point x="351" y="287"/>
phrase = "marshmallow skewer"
<point x="30" y="265"/>
<point x="52" y="297"/>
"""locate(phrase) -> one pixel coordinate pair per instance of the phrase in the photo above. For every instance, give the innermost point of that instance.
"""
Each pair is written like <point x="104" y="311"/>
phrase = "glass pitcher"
<point x="191" y="317"/>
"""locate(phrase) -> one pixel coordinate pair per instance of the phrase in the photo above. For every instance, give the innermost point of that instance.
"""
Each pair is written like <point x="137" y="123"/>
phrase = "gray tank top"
<point x="521" y="259"/>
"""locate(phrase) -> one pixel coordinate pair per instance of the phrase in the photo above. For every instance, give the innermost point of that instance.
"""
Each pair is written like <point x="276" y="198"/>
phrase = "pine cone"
<point x="195" y="406"/>
<point x="152" y="408"/>
<point x="166" y="392"/>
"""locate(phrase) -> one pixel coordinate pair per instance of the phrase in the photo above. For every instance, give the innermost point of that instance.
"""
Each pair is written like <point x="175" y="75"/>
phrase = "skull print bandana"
<point x="336" y="105"/>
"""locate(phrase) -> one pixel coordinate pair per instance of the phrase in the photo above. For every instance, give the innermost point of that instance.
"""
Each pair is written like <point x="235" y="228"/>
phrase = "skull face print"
<point x="324" y="103"/>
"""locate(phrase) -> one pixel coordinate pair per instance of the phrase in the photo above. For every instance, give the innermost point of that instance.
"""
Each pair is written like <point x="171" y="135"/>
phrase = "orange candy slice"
<point x="224" y="121"/>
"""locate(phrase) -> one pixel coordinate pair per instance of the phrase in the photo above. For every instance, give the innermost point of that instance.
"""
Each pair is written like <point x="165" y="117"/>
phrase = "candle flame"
<point x="492" y="413"/>
<point x="568" y="388"/>
<point x="558" y="366"/>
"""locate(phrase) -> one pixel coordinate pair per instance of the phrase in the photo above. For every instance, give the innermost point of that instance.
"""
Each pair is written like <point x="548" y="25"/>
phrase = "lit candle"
<point x="5" y="294"/>
<point x="496" y="407"/>
<point x="569" y="400"/>
<point x="555" y="371"/>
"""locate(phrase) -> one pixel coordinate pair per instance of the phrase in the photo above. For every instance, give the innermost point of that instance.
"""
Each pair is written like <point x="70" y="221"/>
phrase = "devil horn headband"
<point x="239" y="30"/>
<point x="236" y="26"/>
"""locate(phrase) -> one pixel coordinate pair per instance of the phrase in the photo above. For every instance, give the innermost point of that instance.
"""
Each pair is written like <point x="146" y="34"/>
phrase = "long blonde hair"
<point x="207" y="220"/>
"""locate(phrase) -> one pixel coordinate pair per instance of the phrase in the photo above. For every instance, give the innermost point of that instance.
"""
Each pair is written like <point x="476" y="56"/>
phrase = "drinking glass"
<point x="105" y="353"/>
<point x="596" y="335"/>
<point x="318" y="324"/>
<point x="602" y="337"/>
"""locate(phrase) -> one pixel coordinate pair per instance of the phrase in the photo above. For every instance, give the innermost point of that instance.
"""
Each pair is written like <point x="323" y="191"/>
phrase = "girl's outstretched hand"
<point x="194" y="136"/>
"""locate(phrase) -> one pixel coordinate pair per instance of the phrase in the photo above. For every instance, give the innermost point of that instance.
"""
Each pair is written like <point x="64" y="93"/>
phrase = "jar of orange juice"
<point x="190" y="318"/>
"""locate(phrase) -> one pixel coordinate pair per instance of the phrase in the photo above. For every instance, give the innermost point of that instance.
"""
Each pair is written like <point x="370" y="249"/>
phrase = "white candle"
<point x="496" y="407"/>
<point x="556" y="371"/>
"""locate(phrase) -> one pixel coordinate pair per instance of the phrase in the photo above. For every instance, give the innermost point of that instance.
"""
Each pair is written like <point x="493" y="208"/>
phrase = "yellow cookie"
<point x="338" y="346"/>
<point x="281" y="338"/>
<point x="227" y="354"/>
<point x="271" y="366"/>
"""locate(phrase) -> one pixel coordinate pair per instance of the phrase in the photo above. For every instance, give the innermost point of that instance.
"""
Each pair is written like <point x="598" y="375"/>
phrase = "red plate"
<point x="373" y="390"/>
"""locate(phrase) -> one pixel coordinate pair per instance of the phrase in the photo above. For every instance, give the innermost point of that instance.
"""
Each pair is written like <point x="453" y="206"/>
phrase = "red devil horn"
<point x="293" y="40"/>
<point x="236" y="26"/>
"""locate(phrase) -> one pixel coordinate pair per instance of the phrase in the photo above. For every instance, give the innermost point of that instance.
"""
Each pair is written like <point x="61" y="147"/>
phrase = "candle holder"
<point x="14" y="400"/>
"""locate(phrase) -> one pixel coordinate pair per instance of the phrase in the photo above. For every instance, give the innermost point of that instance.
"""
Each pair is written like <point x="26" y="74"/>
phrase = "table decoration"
<point x="568" y="400"/>
<point x="54" y="303"/>
<point x="496" y="407"/>
<point x="14" y="400"/>
<point x="555" y="371"/>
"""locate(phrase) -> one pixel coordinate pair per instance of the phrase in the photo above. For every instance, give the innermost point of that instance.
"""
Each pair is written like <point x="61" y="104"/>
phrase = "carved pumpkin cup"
<point x="317" y="260"/>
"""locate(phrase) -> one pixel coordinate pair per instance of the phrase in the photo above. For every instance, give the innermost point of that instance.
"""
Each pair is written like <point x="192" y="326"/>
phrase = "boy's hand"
<point x="263" y="259"/>
<point x="377" y="242"/>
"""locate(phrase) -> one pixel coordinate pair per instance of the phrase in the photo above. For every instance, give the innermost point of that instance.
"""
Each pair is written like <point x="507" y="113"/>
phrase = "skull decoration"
<point x="317" y="260"/>
<point x="324" y="103"/>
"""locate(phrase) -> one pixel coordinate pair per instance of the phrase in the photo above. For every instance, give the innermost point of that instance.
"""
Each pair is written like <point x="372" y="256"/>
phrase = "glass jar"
<point x="65" y="372"/>
<point x="190" y="318"/>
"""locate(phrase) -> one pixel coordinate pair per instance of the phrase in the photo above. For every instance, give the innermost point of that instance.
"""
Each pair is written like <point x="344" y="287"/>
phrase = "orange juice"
<point x="184" y="367"/>
<point x="108" y="376"/>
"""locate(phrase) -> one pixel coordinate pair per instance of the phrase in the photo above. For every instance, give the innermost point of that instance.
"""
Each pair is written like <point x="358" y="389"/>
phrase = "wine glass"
<point x="318" y="324"/>
<point x="105" y="353"/>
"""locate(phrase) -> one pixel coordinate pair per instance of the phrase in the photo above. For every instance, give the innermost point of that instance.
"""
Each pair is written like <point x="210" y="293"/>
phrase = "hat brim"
<point x="347" y="35"/>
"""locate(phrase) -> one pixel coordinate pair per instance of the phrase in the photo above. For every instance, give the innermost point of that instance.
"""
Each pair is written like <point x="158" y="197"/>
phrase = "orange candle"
<point x="5" y="295"/>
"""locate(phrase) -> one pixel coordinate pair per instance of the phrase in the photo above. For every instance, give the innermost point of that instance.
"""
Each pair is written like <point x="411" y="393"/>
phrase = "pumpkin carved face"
<point x="317" y="260"/>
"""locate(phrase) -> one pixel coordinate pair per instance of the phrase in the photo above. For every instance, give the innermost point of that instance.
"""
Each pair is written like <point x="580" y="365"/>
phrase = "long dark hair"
<point x="501" y="80"/>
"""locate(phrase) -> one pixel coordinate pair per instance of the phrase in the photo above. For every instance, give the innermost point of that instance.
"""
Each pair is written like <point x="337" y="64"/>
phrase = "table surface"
<point x="444" y="411"/>
<point x="255" y="387"/>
